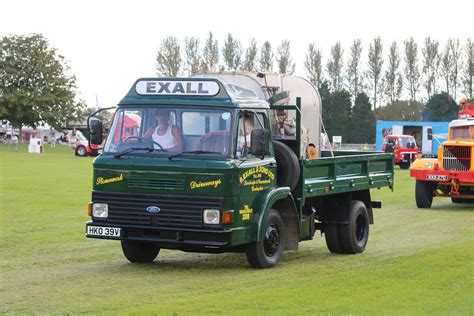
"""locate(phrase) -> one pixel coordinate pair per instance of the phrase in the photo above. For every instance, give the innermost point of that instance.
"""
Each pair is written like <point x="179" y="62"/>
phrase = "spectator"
<point x="14" y="141"/>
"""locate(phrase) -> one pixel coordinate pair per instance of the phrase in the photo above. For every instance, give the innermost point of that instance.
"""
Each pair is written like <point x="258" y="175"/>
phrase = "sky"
<point x="109" y="44"/>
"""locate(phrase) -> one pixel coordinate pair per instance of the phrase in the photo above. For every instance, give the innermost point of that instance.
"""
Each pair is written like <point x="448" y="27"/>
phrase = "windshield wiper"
<point x="129" y="150"/>
<point x="194" y="152"/>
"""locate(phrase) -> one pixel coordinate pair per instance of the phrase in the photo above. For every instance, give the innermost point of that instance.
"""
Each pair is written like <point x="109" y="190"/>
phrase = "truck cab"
<point x="218" y="163"/>
<point x="404" y="149"/>
<point x="452" y="174"/>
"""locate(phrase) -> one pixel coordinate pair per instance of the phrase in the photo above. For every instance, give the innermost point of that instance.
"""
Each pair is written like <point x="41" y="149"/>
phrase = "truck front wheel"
<point x="267" y="252"/>
<point x="139" y="252"/>
<point x="404" y="165"/>
<point x="424" y="193"/>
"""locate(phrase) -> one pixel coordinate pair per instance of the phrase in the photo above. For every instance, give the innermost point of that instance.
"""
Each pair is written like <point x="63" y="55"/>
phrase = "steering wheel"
<point x="141" y="139"/>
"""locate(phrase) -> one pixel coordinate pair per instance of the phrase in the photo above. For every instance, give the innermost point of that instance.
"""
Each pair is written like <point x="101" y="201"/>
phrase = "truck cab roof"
<point x="191" y="91"/>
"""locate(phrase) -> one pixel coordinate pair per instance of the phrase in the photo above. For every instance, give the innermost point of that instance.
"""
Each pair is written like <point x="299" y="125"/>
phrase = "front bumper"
<point x="166" y="237"/>
<point x="447" y="176"/>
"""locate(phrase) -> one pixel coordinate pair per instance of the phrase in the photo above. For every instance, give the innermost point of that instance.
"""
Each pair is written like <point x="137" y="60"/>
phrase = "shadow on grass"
<point x="181" y="261"/>
<point x="454" y="207"/>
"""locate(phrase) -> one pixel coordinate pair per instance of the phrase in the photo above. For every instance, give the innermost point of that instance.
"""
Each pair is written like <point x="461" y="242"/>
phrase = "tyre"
<point x="288" y="166"/>
<point x="354" y="235"/>
<point x="139" y="252"/>
<point x="457" y="200"/>
<point x="81" y="151"/>
<point x="424" y="193"/>
<point x="404" y="165"/>
<point x="267" y="252"/>
<point x="331" y="234"/>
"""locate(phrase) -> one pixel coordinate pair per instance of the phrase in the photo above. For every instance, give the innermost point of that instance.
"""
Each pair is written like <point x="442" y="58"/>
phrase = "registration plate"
<point x="435" y="177"/>
<point x="103" y="231"/>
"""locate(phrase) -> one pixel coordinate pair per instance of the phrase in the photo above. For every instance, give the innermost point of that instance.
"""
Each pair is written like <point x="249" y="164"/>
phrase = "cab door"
<point x="427" y="136"/>
<point x="256" y="174"/>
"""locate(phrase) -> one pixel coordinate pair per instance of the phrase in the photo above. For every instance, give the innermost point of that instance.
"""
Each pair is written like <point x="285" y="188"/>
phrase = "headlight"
<point x="211" y="216"/>
<point x="428" y="165"/>
<point x="100" y="210"/>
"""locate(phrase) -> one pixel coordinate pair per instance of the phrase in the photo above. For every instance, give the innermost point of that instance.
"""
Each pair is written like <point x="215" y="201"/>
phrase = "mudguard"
<point x="264" y="202"/>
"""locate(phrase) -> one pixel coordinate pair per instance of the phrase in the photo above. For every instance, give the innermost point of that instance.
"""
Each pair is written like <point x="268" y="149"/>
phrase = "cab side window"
<point x="247" y="122"/>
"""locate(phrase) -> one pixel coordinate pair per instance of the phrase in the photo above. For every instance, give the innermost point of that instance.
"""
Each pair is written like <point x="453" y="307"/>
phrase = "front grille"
<point x="457" y="158"/>
<point x="158" y="184"/>
<point x="175" y="211"/>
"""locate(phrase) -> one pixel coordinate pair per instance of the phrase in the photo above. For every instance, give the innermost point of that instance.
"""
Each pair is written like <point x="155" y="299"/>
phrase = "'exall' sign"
<point x="187" y="88"/>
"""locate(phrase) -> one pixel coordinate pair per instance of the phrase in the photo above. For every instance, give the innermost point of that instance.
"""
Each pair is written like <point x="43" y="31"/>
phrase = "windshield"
<point x="406" y="142"/>
<point x="462" y="132"/>
<point x="168" y="131"/>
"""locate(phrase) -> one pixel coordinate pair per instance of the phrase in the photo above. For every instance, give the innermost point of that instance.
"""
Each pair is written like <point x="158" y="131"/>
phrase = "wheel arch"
<point x="336" y="207"/>
<point x="282" y="201"/>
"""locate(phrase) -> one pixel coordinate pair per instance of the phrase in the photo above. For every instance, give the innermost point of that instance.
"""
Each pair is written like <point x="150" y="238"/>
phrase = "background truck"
<point x="452" y="173"/>
<point x="403" y="147"/>
<point x="241" y="179"/>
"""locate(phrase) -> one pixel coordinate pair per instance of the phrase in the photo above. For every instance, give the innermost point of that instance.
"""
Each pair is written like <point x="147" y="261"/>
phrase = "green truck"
<point x="228" y="162"/>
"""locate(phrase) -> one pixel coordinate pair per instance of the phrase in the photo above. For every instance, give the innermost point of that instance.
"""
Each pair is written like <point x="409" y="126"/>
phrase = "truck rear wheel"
<point x="331" y="234"/>
<point x="139" y="252"/>
<point x="424" y="193"/>
<point x="355" y="234"/>
<point x="267" y="252"/>
<point x="288" y="165"/>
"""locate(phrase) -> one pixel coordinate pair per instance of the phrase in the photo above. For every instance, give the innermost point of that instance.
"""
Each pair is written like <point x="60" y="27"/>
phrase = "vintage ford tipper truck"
<point x="228" y="162"/>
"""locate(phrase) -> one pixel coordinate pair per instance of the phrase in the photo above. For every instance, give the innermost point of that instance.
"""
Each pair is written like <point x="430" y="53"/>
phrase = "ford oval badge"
<point x="153" y="209"/>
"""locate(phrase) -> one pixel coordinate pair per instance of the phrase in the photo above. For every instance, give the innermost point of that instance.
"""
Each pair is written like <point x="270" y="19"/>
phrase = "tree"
<point x="35" y="86"/>
<point x="468" y="71"/>
<point x="400" y="111"/>
<point x="455" y="55"/>
<point x="250" y="57"/>
<point x="313" y="65"/>
<point x="412" y="73"/>
<point x="193" y="60"/>
<point x="375" y="66"/>
<point x="284" y="60"/>
<point x="431" y="62"/>
<point x="362" y="124"/>
<point x="440" y="107"/>
<point x="232" y="53"/>
<point x="354" y="78"/>
<point x="340" y="115"/>
<point x="325" y="94"/>
<point x="266" y="58"/>
<point x="210" y="55"/>
<point x="450" y="66"/>
<point x="393" y="77"/>
<point x="446" y="63"/>
<point x="168" y="59"/>
<point x="335" y="65"/>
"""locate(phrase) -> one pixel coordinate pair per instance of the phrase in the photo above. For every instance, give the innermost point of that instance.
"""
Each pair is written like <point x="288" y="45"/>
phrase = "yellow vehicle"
<point x="452" y="173"/>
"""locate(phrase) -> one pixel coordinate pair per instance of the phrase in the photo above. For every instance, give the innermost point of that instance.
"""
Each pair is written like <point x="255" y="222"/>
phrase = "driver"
<point x="165" y="134"/>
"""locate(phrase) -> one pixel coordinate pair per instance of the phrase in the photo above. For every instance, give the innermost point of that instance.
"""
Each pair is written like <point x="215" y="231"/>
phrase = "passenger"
<point x="164" y="134"/>
<point x="245" y="132"/>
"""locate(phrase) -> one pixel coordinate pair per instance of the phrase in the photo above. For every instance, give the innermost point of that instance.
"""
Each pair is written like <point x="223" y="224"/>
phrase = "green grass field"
<point x="416" y="262"/>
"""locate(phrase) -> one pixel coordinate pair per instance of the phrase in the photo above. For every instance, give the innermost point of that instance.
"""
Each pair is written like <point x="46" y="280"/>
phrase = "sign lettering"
<point x="185" y="88"/>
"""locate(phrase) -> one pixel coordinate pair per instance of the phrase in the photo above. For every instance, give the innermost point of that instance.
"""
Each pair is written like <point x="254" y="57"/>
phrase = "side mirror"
<point x="430" y="133"/>
<point x="95" y="131"/>
<point x="259" y="142"/>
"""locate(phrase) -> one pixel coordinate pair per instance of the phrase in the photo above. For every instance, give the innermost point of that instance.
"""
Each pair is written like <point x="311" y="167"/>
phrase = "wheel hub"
<point x="271" y="243"/>
<point x="361" y="228"/>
